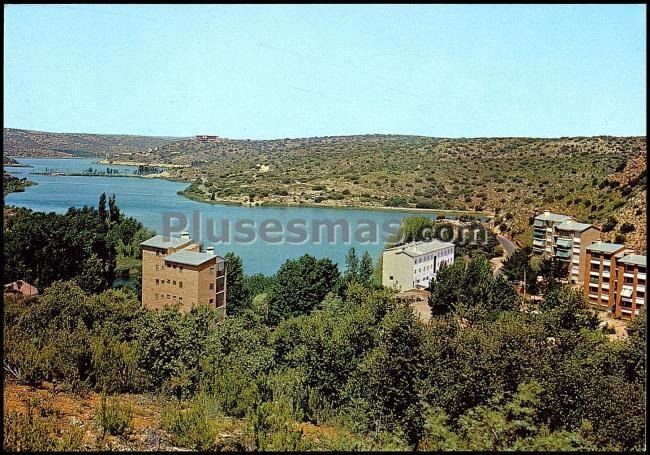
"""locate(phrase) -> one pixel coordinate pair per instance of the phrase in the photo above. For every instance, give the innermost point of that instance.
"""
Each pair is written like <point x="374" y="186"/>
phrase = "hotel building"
<point x="412" y="266"/>
<point x="174" y="270"/>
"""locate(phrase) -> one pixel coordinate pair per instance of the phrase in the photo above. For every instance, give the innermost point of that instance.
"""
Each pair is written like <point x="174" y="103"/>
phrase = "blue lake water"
<point x="148" y="200"/>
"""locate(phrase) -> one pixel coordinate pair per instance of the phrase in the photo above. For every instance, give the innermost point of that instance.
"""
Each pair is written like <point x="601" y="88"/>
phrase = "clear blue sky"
<point x="315" y="70"/>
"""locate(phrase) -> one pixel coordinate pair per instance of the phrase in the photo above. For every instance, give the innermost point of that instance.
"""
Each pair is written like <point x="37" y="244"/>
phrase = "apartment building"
<point x="615" y="279"/>
<point x="174" y="270"/>
<point x="631" y="278"/>
<point x="571" y="240"/>
<point x="412" y="266"/>
<point x="543" y="231"/>
<point x="600" y="276"/>
<point x="560" y="236"/>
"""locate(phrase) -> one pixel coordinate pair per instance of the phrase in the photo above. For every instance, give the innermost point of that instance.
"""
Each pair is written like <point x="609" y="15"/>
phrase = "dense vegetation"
<point x="312" y="344"/>
<point x="11" y="184"/>
<point x="83" y="245"/>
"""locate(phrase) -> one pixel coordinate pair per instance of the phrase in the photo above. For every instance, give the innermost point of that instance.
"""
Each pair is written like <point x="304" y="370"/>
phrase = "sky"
<point x="276" y="71"/>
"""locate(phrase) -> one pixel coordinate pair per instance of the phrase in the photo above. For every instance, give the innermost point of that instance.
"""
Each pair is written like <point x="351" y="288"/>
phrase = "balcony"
<point x="640" y="276"/>
<point x="607" y="263"/>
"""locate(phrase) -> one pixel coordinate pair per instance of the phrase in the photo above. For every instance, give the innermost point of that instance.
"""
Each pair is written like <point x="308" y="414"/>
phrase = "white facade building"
<point x="412" y="266"/>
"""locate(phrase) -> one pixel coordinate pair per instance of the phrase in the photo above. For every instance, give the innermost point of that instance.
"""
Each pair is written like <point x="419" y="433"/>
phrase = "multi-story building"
<point x="174" y="270"/>
<point x="600" y="278"/>
<point x="571" y="240"/>
<point x="630" y="291"/>
<point x="412" y="266"/>
<point x="543" y="232"/>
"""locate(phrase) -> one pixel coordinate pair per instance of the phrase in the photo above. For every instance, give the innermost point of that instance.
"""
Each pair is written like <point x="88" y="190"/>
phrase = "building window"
<point x="157" y="253"/>
<point x="157" y="282"/>
<point x="390" y="277"/>
<point x="168" y="296"/>
<point x="180" y="284"/>
<point x="180" y="269"/>
<point x="157" y="267"/>
<point x="211" y="285"/>
<point x="156" y="296"/>
<point x="168" y="281"/>
<point x="211" y="301"/>
<point x="174" y="282"/>
<point x="180" y="299"/>
<point x="211" y="270"/>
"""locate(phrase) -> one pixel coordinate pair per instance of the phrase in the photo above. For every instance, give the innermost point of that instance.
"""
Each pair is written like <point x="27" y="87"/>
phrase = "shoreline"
<point x="347" y="207"/>
<point x="195" y="198"/>
<point x="137" y="163"/>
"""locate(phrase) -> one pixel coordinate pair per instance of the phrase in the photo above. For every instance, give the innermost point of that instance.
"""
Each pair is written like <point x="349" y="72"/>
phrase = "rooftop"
<point x="420" y="248"/>
<point x="548" y="216"/>
<point x="571" y="225"/>
<point x="603" y="247"/>
<point x="190" y="257"/>
<point x="635" y="259"/>
<point x="161" y="241"/>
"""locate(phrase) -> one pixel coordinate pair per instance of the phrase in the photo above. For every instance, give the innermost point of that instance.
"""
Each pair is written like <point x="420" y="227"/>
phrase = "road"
<point x="508" y="245"/>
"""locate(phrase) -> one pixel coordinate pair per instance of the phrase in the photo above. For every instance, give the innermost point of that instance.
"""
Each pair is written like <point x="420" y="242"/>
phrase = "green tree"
<point x="103" y="215"/>
<point x="300" y="285"/>
<point x="366" y="269"/>
<point x="238" y="298"/>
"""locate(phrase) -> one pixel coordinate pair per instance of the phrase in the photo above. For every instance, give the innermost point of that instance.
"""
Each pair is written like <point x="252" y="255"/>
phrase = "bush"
<point x="114" y="417"/>
<point x="627" y="227"/>
<point x="27" y="432"/>
<point x="610" y="224"/>
<point x="195" y="427"/>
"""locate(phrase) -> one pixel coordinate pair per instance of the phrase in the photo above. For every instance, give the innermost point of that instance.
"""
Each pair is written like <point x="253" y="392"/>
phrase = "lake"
<point x="148" y="200"/>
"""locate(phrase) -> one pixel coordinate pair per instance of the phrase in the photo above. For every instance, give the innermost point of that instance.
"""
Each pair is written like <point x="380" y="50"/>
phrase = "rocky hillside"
<point x="43" y="144"/>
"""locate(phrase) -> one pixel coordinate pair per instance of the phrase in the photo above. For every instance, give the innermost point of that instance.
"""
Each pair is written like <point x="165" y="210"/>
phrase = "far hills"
<point x="17" y="142"/>
<point x="598" y="179"/>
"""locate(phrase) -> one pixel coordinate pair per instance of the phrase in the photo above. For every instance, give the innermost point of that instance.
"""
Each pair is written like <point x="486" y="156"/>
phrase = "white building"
<point x="412" y="266"/>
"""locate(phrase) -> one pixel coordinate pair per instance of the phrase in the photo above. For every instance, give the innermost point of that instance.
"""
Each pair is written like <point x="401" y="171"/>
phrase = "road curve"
<point x="508" y="245"/>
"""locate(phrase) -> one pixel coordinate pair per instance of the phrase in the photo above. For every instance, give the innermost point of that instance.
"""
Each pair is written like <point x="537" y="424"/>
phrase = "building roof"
<point x="20" y="287"/>
<point x="548" y="216"/>
<point x="603" y="247"/>
<point x="161" y="241"/>
<point x="571" y="225"/>
<point x="420" y="248"/>
<point x="635" y="259"/>
<point x="190" y="257"/>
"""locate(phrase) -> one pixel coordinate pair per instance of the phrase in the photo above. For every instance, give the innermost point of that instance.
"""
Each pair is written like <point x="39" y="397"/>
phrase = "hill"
<point x="17" y="142"/>
<point x="514" y="178"/>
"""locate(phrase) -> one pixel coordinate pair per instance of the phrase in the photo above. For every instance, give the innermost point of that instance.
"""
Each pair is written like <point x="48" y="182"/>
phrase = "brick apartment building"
<point x="615" y="279"/>
<point x="174" y="270"/>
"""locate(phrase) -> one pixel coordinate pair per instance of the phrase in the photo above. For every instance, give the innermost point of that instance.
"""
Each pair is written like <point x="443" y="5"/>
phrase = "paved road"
<point x="508" y="245"/>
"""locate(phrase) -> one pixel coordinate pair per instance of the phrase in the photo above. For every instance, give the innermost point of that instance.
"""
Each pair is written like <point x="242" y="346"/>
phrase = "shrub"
<point x="610" y="224"/>
<point x="627" y="227"/>
<point x="27" y="432"/>
<point x="195" y="427"/>
<point x="114" y="417"/>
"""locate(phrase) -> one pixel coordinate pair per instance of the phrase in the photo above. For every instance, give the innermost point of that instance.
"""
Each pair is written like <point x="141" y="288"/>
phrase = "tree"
<point x="300" y="285"/>
<point x="366" y="269"/>
<point x="384" y="386"/>
<point x="102" y="208"/>
<point x="238" y="298"/>
<point x="113" y="210"/>
<point x="351" y="265"/>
